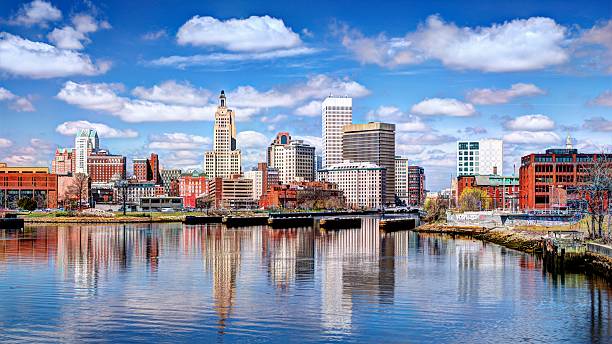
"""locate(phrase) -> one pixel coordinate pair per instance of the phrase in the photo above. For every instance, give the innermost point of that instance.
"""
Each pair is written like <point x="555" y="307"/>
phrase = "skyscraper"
<point x="294" y="159"/>
<point x="401" y="178"/>
<point x="373" y="142"/>
<point x="480" y="157"/>
<point x="336" y="113"/>
<point x="85" y="143"/>
<point x="224" y="160"/>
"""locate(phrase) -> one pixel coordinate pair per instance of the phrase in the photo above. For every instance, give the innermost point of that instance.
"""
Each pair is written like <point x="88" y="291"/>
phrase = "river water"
<point x="171" y="282"/>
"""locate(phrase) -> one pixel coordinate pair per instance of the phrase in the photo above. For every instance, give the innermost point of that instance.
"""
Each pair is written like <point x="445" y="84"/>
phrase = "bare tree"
<point x="79" y="188"/>
<point x="596" y="191"/>
<point x="473" y="199"/>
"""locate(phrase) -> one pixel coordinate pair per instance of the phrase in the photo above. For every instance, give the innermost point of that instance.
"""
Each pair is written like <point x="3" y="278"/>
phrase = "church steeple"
<point x="222" y="99"/>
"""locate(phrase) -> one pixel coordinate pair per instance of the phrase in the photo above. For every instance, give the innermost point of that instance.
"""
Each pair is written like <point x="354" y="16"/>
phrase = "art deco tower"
<point x="224" y="160"/>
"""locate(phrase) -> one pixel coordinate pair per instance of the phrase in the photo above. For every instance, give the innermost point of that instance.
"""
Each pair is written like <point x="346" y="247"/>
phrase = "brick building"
<point x="147" y="169"/>
<point x="31" y="182"/>
<point x="234" y="192"/>
<point x="191" y="187"/>
<point x="502" y="192"/>
<point x="102" y="167"/>
<point x="305" y="195"/>
<point x="416" y="186"/>
<point x="63" y="161"/>
<point x="549" y="180"/>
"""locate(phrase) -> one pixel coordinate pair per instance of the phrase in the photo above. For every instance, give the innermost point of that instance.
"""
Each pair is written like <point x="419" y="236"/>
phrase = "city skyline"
<point x="150" y="84"/>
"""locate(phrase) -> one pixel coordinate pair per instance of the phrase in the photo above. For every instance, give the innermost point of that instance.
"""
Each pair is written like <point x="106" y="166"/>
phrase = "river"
<point x="171" y="282"/>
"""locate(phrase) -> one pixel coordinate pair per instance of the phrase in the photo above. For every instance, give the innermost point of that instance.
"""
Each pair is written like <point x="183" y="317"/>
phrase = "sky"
<point x="146" y="75"/>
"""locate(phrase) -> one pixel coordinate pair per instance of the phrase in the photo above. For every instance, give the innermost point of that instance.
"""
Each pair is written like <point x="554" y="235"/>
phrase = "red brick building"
<point x="549" y="180"/>
<point x="147" y="170"/>
<point x="102" y="166"/>
<point x="305" y="194"/>
<point x="191" y="187"/>
<point x="416" y="186"/>
<point x="154" y="176"/>
<point x="63" y="161"/>
<point x="502" y="192"/>
<point x="31" y="182"/>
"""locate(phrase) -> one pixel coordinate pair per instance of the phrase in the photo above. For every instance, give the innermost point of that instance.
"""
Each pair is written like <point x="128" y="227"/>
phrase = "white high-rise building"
<point x="401" y="178"/>
<point x="480" y="157"/>
<point x="294" y="159"/>
<point x="363" y="183"/>
<point x="336" y="113"/>
<point x="224" y="160"/>
<point x="85" y="143"/>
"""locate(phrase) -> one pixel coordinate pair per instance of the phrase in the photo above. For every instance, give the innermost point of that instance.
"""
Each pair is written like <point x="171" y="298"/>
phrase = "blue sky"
<point x="147" y="74"/>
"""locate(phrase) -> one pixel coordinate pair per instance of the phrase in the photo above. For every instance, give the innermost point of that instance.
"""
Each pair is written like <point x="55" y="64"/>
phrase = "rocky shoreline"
<point x="529" y="242"/>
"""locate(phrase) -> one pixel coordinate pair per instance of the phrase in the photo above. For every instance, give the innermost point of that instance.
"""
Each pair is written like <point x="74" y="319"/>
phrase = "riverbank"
<point x="530" y="240"/>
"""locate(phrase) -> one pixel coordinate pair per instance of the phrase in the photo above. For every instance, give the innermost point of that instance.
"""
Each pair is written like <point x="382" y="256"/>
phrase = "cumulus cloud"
<point x="530" y="123"/>
<point x="252" y="145"/>
<point x="70" y="128"/>
<point x="310" y="109"/>
<point x="430" y="138"/>
<point x="487" y="96"/>
<point x="37" y="60"/>
<point x="517" y="45"/>
<point x="173" y="101"/>
<point x="74" y="37"/>
<point x="16" y="103"/>
<point x="601" y="35"/>
<point x="178" y="141"/>
<point x="598" y="124"/>
<point x="475" y="130"/>
<point x="253" y="34"/>
<point x="37" y="12"/>
<point x="404" y="122"/>
<point x="443" y="107"/>
<point x="532" y="137"/>
<point x="5" y="143"/>
<point x="173" y="92"/>
<point x="604" y="99"/>
<point x="315" y="141"/>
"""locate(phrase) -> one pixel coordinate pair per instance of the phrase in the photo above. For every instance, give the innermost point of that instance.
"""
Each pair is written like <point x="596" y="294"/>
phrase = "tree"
<point x="436" y="209"/>
<point x="596" y="191"/>
<point x="174" y="188"/>
<point x="473" y="199"/>
<point x="27" y="203"/>
<point x="79" y="188"/>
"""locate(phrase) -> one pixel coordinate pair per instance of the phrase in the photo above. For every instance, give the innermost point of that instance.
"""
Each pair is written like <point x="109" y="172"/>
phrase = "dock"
<point x="394" y="225"/>
<point x="340" y="223"/>
<point x="290" y="222"/>
<point x="200" y="220"/>
<point x="244" y="221"/>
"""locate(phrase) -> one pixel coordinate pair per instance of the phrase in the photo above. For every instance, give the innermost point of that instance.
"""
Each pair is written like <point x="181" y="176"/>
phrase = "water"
<point x="169" y="282"/>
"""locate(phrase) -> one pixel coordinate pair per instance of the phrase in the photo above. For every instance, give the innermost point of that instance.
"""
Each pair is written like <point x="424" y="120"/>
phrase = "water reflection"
<point x="142" y="282"/>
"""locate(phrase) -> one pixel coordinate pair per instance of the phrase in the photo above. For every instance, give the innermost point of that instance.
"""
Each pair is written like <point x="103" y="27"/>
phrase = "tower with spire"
<point x="225" y="159"/>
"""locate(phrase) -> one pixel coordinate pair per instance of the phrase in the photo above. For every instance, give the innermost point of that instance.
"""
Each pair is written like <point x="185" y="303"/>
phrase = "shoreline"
<point x="524" y="241"/>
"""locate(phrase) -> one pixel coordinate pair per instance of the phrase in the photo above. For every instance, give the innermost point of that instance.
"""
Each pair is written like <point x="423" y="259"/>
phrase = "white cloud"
<point x="22" y="57"/>
<point x="205" y="59"/>
<point x="67" y="38"/>
<point x="178" y="141"/>
<point x="443" y="107"/>
<point x="20" y="104"/>
<point x="598" y="124"/>
<point x="601" y="35"/>
<point x="273" y="119"/>
<point x="37" y="12"/>
<point x="315" y="141"/>
<point x="5" y="143"/>
<point x="404" y="122"/>
<point x="430" y="138"/>
<point x="310" y="109"/>
<point x="254" y="34"/>
<point x="252" y="145"/>
<point x="154" y="35"/>
<point x="173" y="92"/>
<point x="532" y="137"/>
<point x="517" y="45"/>
<point x="72" y="127"/>
<point x="530" y="123"/>
<point x="486" y="96"/>
<point x="73" y="38"/>
<point x="604" y="99"/>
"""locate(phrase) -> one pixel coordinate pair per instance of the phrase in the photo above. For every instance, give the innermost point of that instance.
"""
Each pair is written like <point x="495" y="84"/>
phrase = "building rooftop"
<point x="350" y="165"/>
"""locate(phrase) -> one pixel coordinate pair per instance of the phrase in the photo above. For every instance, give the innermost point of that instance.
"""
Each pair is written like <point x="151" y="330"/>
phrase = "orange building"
<point x="31" y="182"/>
<point x="550" y="180"/>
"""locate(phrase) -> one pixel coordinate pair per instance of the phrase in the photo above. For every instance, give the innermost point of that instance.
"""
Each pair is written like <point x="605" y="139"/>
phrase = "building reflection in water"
<point x="289" y="254"/>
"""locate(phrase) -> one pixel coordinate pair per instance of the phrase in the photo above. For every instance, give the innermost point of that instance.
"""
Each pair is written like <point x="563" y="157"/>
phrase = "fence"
<point x="599" y="248"/>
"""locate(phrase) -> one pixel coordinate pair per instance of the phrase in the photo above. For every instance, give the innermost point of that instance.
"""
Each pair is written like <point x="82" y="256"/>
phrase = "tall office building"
<point x="373" y="142"/>
<point x="363" y="183"/>
<point x="401" y="178"/>
<point x="293" y="159"/>
<point x="416" y="186"/>
<point x="336" y="113"/>
<point x="480" y="157"/>
<point x="85" y="143"/>
<point x="224" y="160"/>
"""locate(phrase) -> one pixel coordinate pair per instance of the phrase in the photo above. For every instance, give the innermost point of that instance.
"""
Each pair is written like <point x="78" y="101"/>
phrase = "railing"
<point x="599" y="248"/>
